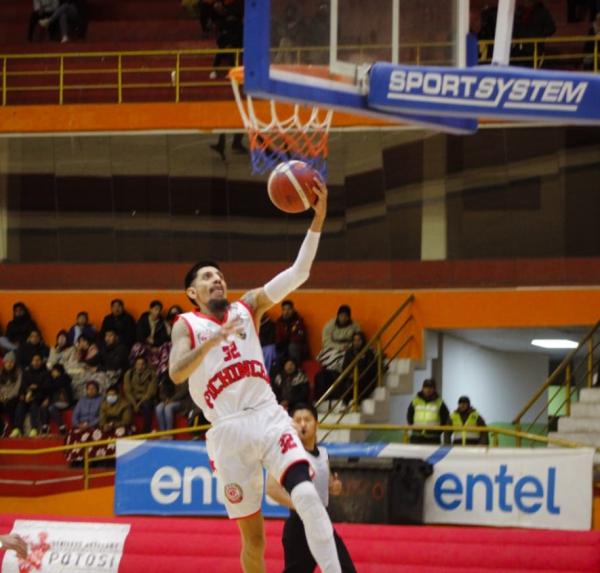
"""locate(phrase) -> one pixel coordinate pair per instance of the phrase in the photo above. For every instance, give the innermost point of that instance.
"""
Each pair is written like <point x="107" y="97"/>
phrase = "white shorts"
<point x="239" y="448"/>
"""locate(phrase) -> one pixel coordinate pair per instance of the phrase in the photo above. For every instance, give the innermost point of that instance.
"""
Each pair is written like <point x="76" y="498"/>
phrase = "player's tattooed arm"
<point x="184" y="359"/>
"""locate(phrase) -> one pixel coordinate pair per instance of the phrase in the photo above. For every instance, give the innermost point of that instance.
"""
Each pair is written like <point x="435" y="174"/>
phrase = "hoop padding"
<point x="282" y="139"/>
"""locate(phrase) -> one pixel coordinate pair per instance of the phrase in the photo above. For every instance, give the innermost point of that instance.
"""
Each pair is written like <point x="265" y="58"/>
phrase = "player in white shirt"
<point x="218" y="349"/>
<point x="296" y="551"/>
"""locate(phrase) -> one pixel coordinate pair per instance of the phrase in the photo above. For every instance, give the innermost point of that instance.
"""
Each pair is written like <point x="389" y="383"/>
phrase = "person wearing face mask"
<point x="115" y="412"/>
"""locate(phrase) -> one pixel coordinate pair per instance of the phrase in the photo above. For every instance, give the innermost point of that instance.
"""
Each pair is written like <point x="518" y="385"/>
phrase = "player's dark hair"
<point x="304" y="406"/>
<point x="190" y="276"/>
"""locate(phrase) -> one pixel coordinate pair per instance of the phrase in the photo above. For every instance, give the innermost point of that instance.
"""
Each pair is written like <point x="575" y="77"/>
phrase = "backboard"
<point x="319" y="51"/>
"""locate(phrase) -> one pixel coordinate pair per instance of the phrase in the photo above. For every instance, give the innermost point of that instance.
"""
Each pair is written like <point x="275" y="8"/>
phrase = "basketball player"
<point x="218" y="349"/>
<point x="296" y="552"/>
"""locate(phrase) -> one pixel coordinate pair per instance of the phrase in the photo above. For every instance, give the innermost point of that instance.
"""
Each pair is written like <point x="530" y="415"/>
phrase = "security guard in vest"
<point x="427" y="409"/>
<point x="463" y="417"/>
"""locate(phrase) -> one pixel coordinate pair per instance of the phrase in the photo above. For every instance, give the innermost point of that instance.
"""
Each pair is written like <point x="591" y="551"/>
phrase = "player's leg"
<point x="343" y="554"/>
<point x="253" y="543"/>
<point x="317" y="525"/>
<point x="285" y="459"/>
<point x="235" y="459"/>
<point x="296" y="552"/>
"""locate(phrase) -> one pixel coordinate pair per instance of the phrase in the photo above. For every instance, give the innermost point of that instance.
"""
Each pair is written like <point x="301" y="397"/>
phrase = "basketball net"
<point x="302" y="135"/>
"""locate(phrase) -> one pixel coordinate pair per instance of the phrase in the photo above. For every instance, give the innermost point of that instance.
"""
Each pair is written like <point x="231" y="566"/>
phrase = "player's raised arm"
<point x="184" y="359"/>
<point x="289" y="280"/>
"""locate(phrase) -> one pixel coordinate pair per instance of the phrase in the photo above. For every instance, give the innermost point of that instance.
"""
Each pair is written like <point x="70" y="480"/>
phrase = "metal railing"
<point x="389" y="342"/>
<point x="123" y="76"/>
<point x="89" y="475"/>
<point x="575" y="372"/>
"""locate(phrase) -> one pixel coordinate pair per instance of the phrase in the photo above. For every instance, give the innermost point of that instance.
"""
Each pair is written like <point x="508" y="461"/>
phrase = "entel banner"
<point x="547" y="488"/>
<point x="485" y="91"/>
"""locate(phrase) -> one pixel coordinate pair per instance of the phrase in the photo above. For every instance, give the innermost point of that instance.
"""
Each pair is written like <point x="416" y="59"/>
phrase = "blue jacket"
<point x="87" y="410"/>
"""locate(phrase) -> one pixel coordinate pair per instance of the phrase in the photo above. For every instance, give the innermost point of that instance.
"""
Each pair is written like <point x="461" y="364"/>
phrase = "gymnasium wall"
<point x="394" y="196"/>
<point x="433" y="309"/>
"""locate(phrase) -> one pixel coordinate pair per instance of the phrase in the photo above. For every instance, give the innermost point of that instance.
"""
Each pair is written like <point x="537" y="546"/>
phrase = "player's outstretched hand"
<point x="236" y="326"/>
<point x="15" y="543"/>
<point x="320" y="206"/>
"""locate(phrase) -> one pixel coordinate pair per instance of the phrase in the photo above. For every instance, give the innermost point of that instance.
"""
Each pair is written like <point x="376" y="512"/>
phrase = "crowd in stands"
<point x="97" y="383"/>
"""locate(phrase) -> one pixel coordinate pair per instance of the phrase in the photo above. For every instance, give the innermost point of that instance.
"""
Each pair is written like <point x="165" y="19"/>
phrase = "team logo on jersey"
<point x="242" y="335"/>
<point x="234" y="493"/>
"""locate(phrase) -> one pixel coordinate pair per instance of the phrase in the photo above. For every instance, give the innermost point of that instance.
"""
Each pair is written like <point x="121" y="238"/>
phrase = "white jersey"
<point x="320" y="465"/>
<point x="232" y="376"/>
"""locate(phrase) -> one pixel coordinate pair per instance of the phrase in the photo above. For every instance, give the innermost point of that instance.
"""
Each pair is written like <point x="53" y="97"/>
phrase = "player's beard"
<point x="218" y="305"/>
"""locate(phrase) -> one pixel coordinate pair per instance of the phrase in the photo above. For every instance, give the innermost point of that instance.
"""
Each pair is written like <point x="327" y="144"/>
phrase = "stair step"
<point x="585" y="410"/>
<point x="589" y="395"/>
<point x="579" y="424"/>
<point x="585" y="438"/>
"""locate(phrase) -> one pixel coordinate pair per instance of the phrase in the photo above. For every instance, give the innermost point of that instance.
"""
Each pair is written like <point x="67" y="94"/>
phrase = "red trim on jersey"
<point x="190" y="329"/>
<point x="209" y="317"/>
<point x="286" y="470"/>
<point x="250" y="309"/>
<point x="247" y="516"/>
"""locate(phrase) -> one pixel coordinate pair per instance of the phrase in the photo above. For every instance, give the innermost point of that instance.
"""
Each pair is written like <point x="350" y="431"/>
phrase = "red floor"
<point x="191" y="545"/>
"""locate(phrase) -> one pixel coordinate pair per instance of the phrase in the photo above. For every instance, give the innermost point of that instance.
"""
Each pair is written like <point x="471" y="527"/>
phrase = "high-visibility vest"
<point x="470" y="421"/>
<point x="427" y="413"/>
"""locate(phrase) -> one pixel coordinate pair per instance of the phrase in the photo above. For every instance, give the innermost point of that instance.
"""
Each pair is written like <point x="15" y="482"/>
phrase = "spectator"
<point x="291" y="385"/>
<point x="19" y="328"/>
<point x="59" y="397"/>
<point x="367" y="369"/>
<point x="427" y="409"/>
<point x="62" y="352"/>
<point x="229" y="20"/>
<point x="82" y="326"/>
<point x="266" y="335"/>
<point x="153" y="335"/>
<point x="290" y="334"/>
<point x="33" y="345"/>
<point x="86" y="414"/>
<point x="115" y="413"/>
<point x="121" y="322"/>
<point x="69" y="19"/>
<point x="463" y="417"/>
<point x="42" y="9"/>
<point x="336" y="339"/>
<point x="113" y="357"/>
<point x="589" y="47"/>
<point x="31" y="395"/>
<point x="10" y="385"/>
<point x="140" y="389"/>
<point x="84" y="366"/>
<point x="532" y="20"/>
<point x="173" y="312"/>
<point x="172" y="400"/>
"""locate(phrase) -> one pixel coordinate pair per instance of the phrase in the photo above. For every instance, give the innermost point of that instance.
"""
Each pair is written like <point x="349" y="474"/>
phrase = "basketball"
<point x="290" y="186"/>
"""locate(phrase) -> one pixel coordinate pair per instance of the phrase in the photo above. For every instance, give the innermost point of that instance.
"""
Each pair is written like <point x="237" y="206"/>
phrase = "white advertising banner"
<point x="542" y="488"/>
<point x="68" y="547"/>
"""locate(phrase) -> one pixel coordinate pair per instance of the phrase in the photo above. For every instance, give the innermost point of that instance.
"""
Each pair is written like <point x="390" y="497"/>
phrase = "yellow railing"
<point x="88" y="475"/>
<point x="576" y="371"/>
<point x="394" y="331"/>
<point x="120" y="73"/>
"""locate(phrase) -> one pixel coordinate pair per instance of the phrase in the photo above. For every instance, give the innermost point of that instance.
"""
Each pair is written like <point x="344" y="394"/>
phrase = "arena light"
<point x="554" y="343"/>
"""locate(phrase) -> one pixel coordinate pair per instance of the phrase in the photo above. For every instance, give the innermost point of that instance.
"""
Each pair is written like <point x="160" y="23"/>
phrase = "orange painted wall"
<point x="436" y="309"/>
<point x="96" y="502"/>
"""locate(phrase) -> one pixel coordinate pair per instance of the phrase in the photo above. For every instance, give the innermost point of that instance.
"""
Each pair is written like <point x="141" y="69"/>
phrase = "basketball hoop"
<point x="302" y="135"/>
